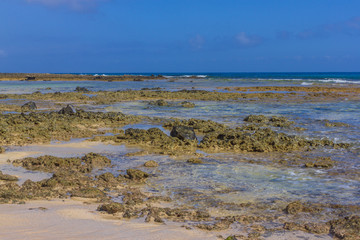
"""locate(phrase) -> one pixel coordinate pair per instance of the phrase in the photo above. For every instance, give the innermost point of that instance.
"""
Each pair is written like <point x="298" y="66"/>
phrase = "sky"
<point x="134" y="36"/>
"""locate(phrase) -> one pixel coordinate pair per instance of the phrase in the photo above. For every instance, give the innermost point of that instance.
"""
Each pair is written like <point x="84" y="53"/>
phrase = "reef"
<point x="21" y="129"/>
<point x="154" y="138"/>
<point x="72" y="77"/>
<point x="261" y="140"/>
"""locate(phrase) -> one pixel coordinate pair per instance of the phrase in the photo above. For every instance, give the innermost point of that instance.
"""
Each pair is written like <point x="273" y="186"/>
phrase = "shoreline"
<point x="77" y="219"/>
<point x="73" y="77"/>
<point x="86" y="154"/>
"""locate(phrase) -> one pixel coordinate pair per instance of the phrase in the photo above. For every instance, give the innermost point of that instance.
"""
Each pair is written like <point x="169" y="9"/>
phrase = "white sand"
<point x="74" y="220"/>
<point x="71" y="219"/>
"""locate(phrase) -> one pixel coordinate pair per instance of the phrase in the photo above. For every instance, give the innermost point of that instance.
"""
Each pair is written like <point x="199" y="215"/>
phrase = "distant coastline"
<point x="73" y="77"/>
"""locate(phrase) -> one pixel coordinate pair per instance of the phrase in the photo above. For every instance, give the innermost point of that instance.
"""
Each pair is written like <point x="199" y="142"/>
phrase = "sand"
<point x="71" y="219"/>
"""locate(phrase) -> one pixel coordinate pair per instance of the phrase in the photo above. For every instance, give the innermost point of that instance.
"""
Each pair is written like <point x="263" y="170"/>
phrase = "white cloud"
<point x="246" y="40"/>
<point x="78" y="5"/>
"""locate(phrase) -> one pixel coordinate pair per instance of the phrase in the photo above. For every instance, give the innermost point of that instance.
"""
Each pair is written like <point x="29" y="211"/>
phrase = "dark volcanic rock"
<point x="183" y="132"/>
<point x="29" y="106"/>
<point x="69" y="109"/>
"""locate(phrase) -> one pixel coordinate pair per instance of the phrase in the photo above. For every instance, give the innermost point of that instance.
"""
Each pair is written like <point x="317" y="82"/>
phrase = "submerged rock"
<point x="320" y="162"/>
<point x="69" y="109"/>
<point x="346" y="228"/>
<point x="187" y="104"/>
<point x="81" y="89"/>
<point x="294" y="208"/>
<point x="29" y="106"/>
<point x="183" y="132"/>
<point x="160" y="103"/>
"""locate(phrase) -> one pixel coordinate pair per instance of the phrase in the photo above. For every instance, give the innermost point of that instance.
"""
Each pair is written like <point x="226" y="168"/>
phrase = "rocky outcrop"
<point x="183" y="132"/>
<point x="29" y="106"/>
<point x="69" y="109"/>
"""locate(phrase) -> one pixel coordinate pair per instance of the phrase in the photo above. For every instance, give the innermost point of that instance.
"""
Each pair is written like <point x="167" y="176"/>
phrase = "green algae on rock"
<point x="199" y="125"/>
<point x="151" y="163"/>
<point x="20" y="129"/>
<point x="276" y="121"/>
<point x="154" y="138"/>
<point x="136" y="174"/>
<point x="187" y="104"/>
<point x="261" y="140"/>
<point x="194" y="161"/>
<point x="7" y="177"/>
<point x="51" y="163"/>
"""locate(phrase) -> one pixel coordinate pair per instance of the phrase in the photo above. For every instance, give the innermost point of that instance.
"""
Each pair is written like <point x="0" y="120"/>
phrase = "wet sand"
<point x="70" y="219"/>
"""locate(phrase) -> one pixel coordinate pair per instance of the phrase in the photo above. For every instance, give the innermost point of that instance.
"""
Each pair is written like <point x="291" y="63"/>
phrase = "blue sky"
<point x="179" y="36"/>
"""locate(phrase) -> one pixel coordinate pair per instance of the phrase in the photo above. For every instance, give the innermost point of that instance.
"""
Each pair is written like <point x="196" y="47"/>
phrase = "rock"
<point x="321" y="162"/>
<point x="151" y="163"/>
<point x="317" y="228"/>
<point x="346" y="228"/>
<point x="194" y="160"/>
<point x="294" y="208"/>
<point x="187" y="104"/>
<point x="160" y="103"/>
<point x="7" y="177"/>
<point x="2" y="149"/>
<point x="96" y="160"/>
<point x="111" y="208"/>
<point x="89" y="192"/>
<point x="29" y="106"/>
<point x="81" y="89"/>
<point x="183" y="132"/>
<point x="69" y="109"/>
<point x="135" y="174"/>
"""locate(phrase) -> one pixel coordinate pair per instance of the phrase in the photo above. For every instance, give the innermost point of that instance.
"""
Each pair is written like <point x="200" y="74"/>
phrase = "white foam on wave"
<point x="335" y="80"/>
<point x="306" y="83"/>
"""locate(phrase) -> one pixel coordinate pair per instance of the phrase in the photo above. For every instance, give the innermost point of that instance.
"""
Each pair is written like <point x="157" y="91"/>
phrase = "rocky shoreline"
<point x="122" y="194"/>
<point x="73" y="77"/>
